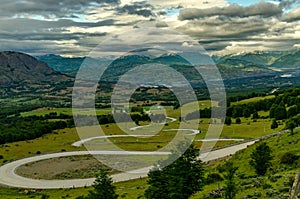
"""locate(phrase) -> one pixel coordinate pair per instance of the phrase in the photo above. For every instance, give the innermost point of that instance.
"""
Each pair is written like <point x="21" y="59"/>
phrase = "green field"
<point x="254" y="99"/>
<point x="66" y="111"/>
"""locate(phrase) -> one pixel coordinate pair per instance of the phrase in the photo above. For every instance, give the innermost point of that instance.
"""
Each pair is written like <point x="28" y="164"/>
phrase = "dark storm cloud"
<point x="138" y="8"/>
<point x="260" y="9"/>
<point x="214" y="45"/>
<point x="223" y="27"/>
<point x="27" y="35"/>
<point x="22" y="24"/>
<point x="287" y="3"/>
<point x="61" y="8"/>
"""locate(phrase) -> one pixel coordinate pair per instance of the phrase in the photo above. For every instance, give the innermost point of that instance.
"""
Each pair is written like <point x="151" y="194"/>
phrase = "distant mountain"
<point x="18" y="68"/>
<point x="288" y="61"/>
<point x="64" y="65"/>
<point x="263" y="58"/>
<point x="242" y="65"/>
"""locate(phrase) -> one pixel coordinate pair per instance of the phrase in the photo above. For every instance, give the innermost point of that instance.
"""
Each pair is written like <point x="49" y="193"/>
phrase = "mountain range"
<point x="231" y="66"/>
<point x="261" y="67"/>
<point x="19" y="68"/>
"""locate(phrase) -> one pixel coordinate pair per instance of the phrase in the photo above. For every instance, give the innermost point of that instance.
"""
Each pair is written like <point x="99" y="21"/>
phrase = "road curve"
<point x="81" y="142"/>
<point x="10" y="178"/>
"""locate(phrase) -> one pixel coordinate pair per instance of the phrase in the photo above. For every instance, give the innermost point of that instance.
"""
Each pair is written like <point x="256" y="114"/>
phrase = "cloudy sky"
<point x="75" y="27"/>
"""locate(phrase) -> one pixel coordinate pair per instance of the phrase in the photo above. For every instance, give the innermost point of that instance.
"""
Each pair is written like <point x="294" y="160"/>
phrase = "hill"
<point x="288" y="61"/>
<point x="275" y="184"/>
<point x="61" y="64"/>
<point x="20" y="69"/>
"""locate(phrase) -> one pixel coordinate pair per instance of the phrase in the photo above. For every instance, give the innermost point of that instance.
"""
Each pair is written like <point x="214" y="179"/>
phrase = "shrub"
<point x="228" y="121"/>
<point x="271" y="192"/>
<point x="1" y="157"/>
<point x="213" y="177"/>
<point x="288" y="158"/>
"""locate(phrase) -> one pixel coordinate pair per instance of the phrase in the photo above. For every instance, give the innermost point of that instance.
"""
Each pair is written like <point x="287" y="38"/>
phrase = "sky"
<point x="74" y="27"/>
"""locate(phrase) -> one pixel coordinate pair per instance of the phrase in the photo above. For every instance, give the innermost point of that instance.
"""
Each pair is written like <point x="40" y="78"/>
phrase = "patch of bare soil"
<point x="72" y="167"/>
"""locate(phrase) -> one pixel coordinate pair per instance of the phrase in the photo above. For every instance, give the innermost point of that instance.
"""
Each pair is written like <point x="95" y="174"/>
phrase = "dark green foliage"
<point x="179" y="180"/>
<point x="261" y="159"/>
<point x="103" y="188"/>
<point x="230" y="185"/>
<point x="228" y="120"/>
<point x="213" y="177"/>
<point x="291" y="125"/>
<point x="288" y="158"/>
<point x="238" y="120"/>
<point x="44" y="196"/>
<point x="237" y="111"/>
<point x="278" y="112"/>
<point x="255" y="115"/>
<point x="246" y="112"/>
<point x="26" y="128"/>
<point x="292" y="111"/>
<point x="274" y="124"/>
<point x="137" y="109"/>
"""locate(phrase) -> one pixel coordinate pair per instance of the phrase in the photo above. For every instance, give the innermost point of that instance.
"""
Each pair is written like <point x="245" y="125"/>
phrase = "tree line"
<point x="285" y="105"/>
<point x="18" y="128"/>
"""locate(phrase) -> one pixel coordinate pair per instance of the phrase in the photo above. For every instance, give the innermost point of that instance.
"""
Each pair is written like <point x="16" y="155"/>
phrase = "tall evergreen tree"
<point x="103" y="188"/>
<point x="230" y="185"/>
<point x="179" y="180"/>
<point x="261" y="158"/>
<point x="274" y="124"/>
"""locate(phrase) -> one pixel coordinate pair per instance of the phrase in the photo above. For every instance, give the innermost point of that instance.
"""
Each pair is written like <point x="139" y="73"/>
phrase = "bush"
<point x="238" y="120"/>
<point x="271" y="192"/>
<point x="274" y="178"/>
<point x="288" y="158"/>
<point x="213" y="177"/>
<point x="1" y="157"/>
<point x="274" y="124"/>
<point x="228" y="121"/>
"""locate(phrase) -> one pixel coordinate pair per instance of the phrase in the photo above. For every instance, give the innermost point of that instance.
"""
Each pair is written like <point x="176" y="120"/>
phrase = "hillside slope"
<point x="18" y="68"/>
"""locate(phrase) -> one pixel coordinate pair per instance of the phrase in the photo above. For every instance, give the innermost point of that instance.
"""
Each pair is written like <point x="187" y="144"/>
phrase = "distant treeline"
<point x="83" y="120"/>
<point x="284" y="105"/>
<point x="17" y="128"/>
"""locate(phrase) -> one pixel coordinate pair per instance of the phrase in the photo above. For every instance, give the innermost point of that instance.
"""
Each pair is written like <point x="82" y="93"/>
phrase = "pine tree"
<point x="261" y="158"/>
<point x="103" y="188"/>
<point x="274" y="124"/>
<point x="180" y="180"/>
<point x="230" y="185"/>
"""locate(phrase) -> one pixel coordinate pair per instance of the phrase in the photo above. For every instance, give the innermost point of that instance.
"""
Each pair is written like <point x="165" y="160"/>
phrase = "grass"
<point x="277" y="180"/>
<point x="254" y="99"/>
<point x="66" y="111"/>
<point x="127" y="190"/>
<point x="54" y="142"/>
<point x="63" y="139"/>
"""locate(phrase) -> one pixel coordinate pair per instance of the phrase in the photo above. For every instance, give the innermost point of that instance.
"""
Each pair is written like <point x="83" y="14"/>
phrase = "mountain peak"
<point x="19" y="68"/>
